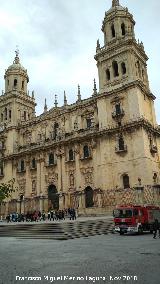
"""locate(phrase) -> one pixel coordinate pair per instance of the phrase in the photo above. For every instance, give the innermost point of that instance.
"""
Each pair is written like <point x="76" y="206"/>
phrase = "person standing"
<point x="155" y="228"/>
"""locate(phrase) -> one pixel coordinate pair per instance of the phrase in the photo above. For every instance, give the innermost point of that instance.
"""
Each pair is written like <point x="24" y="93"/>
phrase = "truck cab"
<point x="135" y="219"/>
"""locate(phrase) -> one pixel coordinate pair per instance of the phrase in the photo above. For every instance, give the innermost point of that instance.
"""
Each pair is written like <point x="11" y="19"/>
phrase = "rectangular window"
<point x="89" y="122"/>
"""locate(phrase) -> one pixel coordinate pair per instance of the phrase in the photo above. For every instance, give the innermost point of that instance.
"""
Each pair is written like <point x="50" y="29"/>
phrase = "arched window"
<point x="118" y="108"/>
<point x="89" y="122"/>
<point x="126" y="181"/>
<point x="123" y="67"/>
<point x="115" y="68"/>
<point x="15" y="83"/>
<point x="51" y="159"/>
<point x="85" y="151"/>
<point x="1" y="116"/>
<point x="8" y="82"/>
<point x="33" y="163"/>
<point x="88" y="197"/>
<point x="108" y="76"/>
<point x="123" y="29"/>
<point x="25" y="115"/>
<point x="5" y="113"/>
<point x="121" y="143"/>
<point x="143" y="75"/>
<point x="113" y="30"/>
<point x="22" y="166"/>
<point x="71" y="155"/>
<point x="22" y="85"/>
<point x="139" y="68"/>
<point x="10" y="114"/>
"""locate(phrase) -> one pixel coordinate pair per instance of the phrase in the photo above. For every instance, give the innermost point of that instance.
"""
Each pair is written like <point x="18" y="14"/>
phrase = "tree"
<point x="6" y="189"/>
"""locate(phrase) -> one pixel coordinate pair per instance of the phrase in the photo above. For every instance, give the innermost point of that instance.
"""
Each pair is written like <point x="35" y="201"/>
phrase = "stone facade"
<point x="95" y="153"/>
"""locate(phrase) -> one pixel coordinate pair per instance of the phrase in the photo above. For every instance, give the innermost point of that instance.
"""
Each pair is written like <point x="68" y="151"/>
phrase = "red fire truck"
<point x="134" y="218"/>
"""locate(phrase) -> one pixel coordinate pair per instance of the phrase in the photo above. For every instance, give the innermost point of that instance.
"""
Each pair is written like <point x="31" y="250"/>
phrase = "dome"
<point x="16" y="66"/>
<point x="117" y="8"/>
<point x="16" y="63"/>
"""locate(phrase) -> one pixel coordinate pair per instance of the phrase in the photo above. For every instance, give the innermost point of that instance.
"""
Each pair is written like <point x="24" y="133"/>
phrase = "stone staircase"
<point x="57" y="230"/>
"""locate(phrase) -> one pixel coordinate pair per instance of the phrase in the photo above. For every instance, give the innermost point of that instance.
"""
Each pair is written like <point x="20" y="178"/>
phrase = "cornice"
<point x="115" y="48"/>
<point x="126" y="86"/>
<point x="88" y="135"/>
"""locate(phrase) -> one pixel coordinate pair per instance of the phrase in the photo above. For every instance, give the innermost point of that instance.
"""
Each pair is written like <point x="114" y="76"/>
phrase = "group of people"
<point x="62" y="214"/>
<point x="36" y="216"/>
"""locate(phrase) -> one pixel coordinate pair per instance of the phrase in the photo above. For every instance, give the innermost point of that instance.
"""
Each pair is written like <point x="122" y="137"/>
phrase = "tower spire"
<point x="79" y="93"/>
<point x="115" y="3"/>
<point x="94" y="89"/>
<point x="45" y="105"/>
<point x="56" y="102"/>
<point x="65" y="99"/>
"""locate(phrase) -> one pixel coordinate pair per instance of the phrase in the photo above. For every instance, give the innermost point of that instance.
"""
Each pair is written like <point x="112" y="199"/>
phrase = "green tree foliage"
<point x="6" y="189"/>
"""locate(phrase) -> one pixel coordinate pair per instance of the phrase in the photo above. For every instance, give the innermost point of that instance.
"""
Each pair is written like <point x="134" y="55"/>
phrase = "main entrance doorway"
<point x="53" y="197"/>
<point x="88" y="197"/>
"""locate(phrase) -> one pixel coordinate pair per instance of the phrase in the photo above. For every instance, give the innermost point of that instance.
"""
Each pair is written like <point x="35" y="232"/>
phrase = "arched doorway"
<point x="53" y="197"/>
<point x="88" y="197"/>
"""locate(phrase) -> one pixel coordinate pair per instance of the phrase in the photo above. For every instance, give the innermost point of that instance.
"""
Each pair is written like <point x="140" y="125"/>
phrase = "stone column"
<point x="66" y="203"/>
<point x="18" y="206"/>
<point x="41" y="203"/>
<point x="38" y="177"/>
<point x="78" y="172"/>
<point x="63" y="172"/>
<point x="82" y="201"/>
<point x="22" y="207"/>
<point x="45" y="204"/>
<point x="61" y="201"/>
<point x="42" y="185"/>
<point x="28" y="179"/>
<point x="59" y="173"/>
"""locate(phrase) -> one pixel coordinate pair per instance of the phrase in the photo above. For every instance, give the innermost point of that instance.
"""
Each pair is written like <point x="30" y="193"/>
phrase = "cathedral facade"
<point x="95" y="153"/>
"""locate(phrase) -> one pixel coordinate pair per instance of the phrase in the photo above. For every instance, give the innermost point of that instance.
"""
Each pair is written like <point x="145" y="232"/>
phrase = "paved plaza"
<point x="110" y="258"/>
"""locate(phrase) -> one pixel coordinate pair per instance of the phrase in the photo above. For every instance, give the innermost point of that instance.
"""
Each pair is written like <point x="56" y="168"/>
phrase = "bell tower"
<point x="122" y="59"/>
<point x="16" y="77"/>
<point x="16" y="106"/>
<point x="122" y="63"/>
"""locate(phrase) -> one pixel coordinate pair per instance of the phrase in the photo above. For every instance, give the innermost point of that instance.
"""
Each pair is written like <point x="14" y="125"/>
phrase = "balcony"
<point x="51" y="164"/>
<point x="33" y="168"/>
<point x="21" y="171"/>
<point x="121" y="150"/>
<point x="118" y="114"/>
<point x="153" y="149"/>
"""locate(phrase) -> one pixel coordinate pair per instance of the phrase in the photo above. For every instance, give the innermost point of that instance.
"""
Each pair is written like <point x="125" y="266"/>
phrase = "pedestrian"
<point x="155" y="228"/>
<point x="49" y="215"/>
<point x="43" y="216"/>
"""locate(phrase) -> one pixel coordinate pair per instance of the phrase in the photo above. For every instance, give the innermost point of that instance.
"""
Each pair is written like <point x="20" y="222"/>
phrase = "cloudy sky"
<point x="57" y="42"/>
